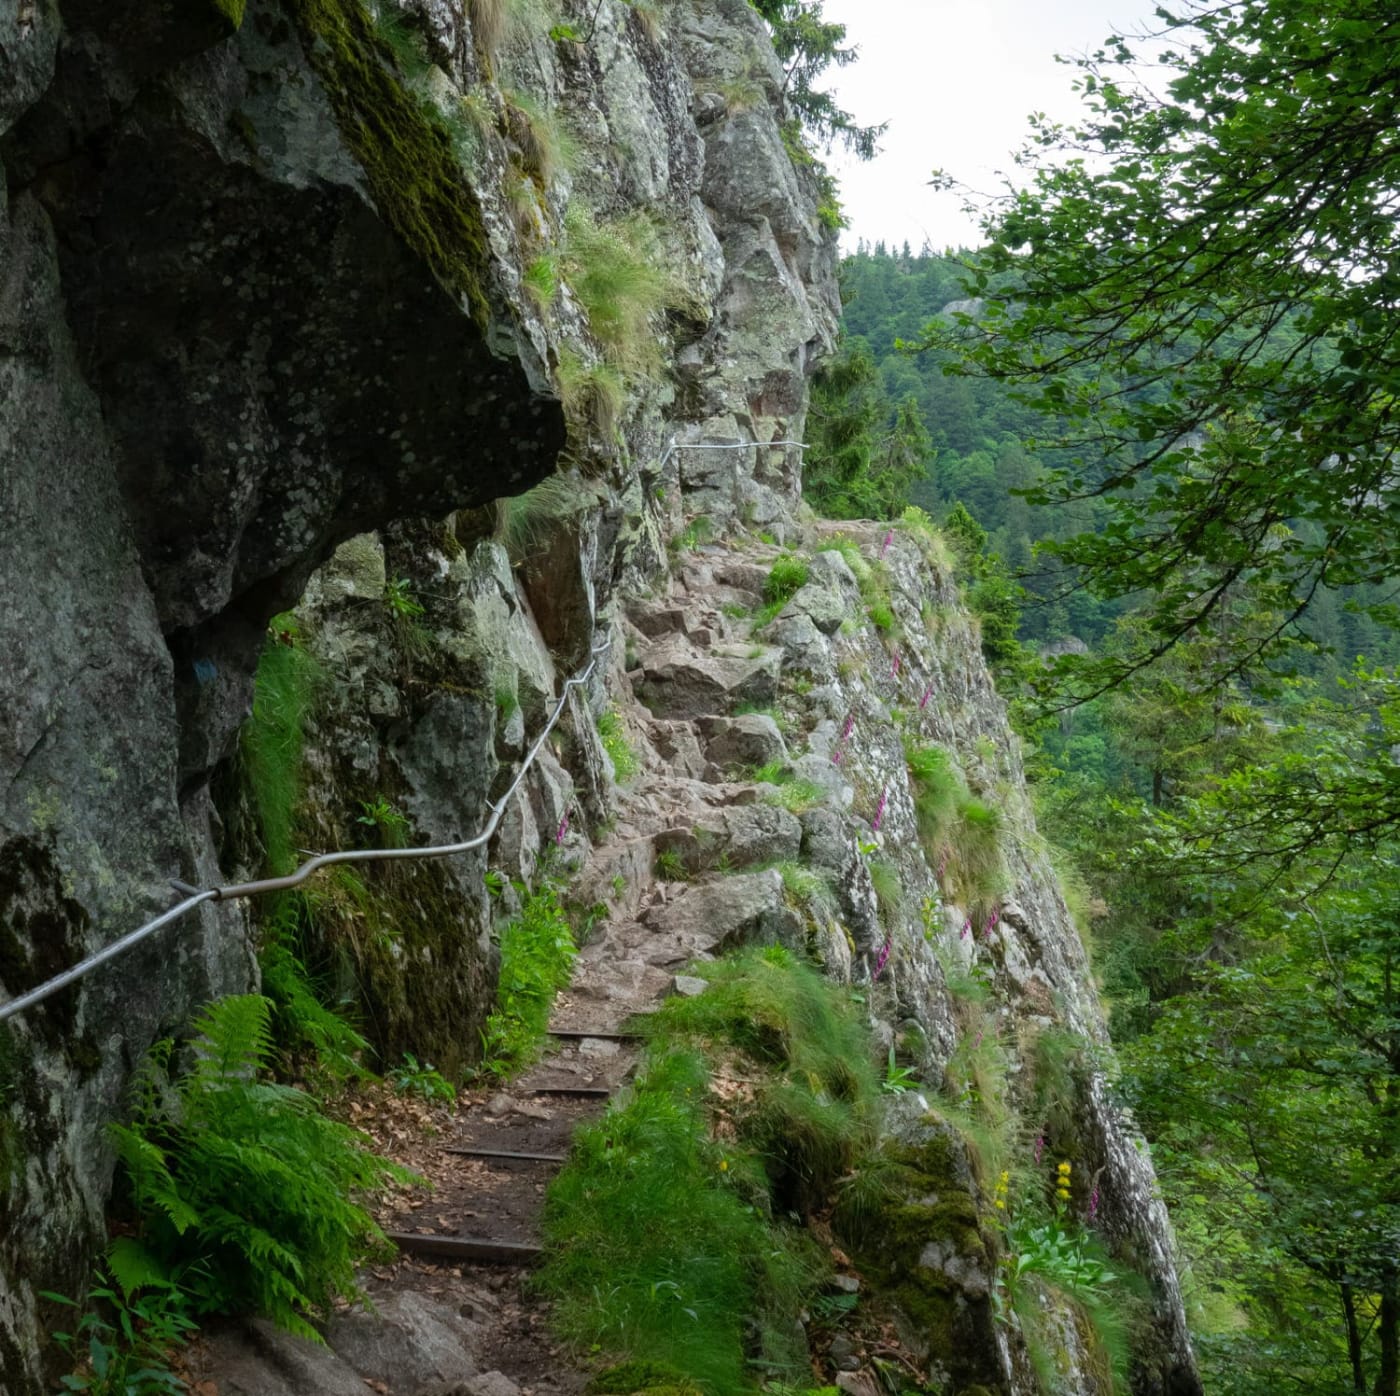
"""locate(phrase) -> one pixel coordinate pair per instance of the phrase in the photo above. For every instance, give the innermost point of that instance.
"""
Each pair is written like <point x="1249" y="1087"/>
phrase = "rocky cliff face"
<point x="276" y="278"/>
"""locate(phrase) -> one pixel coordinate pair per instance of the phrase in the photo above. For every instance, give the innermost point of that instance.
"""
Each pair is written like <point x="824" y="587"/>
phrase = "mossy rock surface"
<point x="404" y="148"/>
<point x="924" y="1247"/>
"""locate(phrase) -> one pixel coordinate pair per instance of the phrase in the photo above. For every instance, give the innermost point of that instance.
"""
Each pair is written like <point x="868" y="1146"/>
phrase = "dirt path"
<point x="444" y="1325"/>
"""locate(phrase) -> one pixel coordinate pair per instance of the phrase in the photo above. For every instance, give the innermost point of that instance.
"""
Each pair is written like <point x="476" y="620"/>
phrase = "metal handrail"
<point x="196" y="897"/>
<point x="239" y="890"/>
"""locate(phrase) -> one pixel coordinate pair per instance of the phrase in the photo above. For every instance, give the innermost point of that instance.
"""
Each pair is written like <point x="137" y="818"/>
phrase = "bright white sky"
<point x="956" y="79"/>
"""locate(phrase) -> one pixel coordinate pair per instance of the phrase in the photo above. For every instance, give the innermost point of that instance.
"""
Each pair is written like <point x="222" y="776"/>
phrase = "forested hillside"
<point x="979" y="450"/>
<point x="1225" y="807"/>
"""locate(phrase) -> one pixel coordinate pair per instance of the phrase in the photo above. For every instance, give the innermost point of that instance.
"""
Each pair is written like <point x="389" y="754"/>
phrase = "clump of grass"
<point x="811" y="1120"/>
<point x="850" y="551"/>
<point x="796" y="796"/>
<point x="593" y="391"/>
<point x="767" y="613"/>
<point x="617" y="271"/>
<point x="698" y="531"/>
<point x="785" y="578"/>
<point x="889" y="888"/>
<point x="671" y="865"/>
<point x="489" y="19"/>
<point x="613" y="736"/>
<point x="806" y="889"/>
<point x="874" y="582"/>
<point x="958" y="831"/>
<point x="537" y="954"/>
<point x="507" y="700"/>
<point x="526" y="523"/>
<point x="919" y="525"/>
<point x="541" y="280"/>
<point x="544" y="143"/>
<point x="656" y="1251"/>
<point x="669" y="1242"/>
<point x="789" y="792"/>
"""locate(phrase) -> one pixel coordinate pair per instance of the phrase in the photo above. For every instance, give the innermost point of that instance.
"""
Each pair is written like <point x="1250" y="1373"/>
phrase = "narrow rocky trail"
<point x="453" y="1314"/>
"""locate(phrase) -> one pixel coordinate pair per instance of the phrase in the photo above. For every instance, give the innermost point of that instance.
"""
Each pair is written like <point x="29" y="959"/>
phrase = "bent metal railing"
<point x="195" y="897"/>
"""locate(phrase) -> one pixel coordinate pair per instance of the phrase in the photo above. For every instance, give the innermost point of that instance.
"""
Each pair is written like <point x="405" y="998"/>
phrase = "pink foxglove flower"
<point x="1094" y="1202"/>
<point x="1039" y="1145"/>
<point x="882" y="958"/>
<point x="928" y="693"/>
<point x="967" y="927"/>
<point x="880" y="809"/>
<point x="885" y="547"/>
<point x="562" y="829"/>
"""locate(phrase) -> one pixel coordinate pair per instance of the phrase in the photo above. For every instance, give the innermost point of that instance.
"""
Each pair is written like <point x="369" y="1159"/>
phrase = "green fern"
<point x="242" y="1189"/>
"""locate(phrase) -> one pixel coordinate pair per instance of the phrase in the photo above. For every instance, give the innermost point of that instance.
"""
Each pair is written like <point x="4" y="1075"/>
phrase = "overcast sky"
<point x="956" y="79"/>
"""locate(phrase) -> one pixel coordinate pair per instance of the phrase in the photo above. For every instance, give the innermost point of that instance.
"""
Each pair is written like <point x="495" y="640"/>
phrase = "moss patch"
<point x="232" y="12"/>
<point x="402" y="144"/>
<point x="912" y="1221"/>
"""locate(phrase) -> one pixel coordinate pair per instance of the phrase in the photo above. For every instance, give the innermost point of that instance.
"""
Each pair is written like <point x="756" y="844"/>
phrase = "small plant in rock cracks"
<point x="411" y="1077"/>
<point x="121" y="1345"/>
<point x="898" y="1079"/>
<point x="382" y="815"/>
<point x="399" y="598"/>
<point x="1056" y="1255"/>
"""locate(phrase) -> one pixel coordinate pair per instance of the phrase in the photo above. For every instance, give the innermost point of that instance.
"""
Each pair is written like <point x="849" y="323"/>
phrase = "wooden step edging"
<point x="474" y="1248"/>
<point x="580" y="1034"/>
<point x="505" y="1154"/>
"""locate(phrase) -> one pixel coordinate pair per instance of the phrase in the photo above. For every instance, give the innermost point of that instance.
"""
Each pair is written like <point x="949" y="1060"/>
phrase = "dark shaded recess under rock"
<point x="279" y="365"/>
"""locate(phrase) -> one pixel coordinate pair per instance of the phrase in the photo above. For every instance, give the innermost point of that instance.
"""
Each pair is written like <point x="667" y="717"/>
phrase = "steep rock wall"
<point x="249" y="307"/>
<point x="261" y="289"/>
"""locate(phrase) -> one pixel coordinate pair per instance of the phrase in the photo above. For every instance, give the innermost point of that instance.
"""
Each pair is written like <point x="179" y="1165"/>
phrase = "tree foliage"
<point x="1199" y="286"/>
<point x="807" y="45"/>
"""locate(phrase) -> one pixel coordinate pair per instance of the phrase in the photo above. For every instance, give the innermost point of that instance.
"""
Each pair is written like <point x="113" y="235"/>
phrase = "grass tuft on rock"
<point x="671" y="1245"/>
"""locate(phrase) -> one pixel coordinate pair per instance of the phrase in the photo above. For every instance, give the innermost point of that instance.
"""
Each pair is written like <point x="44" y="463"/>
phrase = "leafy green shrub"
<point x="785" y="578"/>
<point x="411" y="1077"/>
<point x="284" y="693"/>
<point x="389" y="823"/>
<point x="241" y="1188"/>
<point x="399" y="598"/>
<point x="537" y="955"/>
<point x="314" y="1038"/>
<point x="1069" y="1262"/>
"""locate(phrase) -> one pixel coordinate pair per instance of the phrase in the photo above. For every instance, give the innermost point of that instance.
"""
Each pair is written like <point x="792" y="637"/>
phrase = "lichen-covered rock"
<point x="750" y="739"/>
<point x="923" y="1241"/>
<point x="748" y="909"/>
